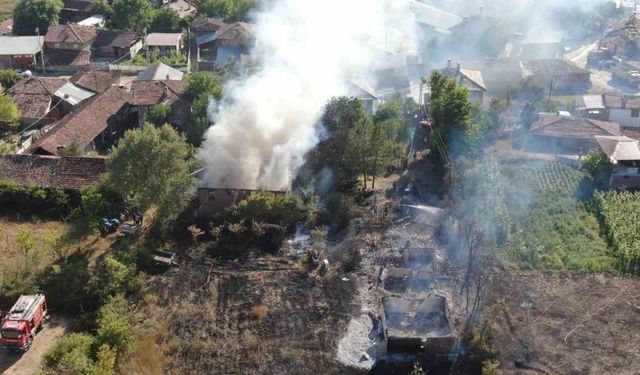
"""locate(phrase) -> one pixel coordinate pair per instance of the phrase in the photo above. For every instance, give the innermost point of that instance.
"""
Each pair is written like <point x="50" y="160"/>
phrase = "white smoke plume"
<point x="308" y="49"/>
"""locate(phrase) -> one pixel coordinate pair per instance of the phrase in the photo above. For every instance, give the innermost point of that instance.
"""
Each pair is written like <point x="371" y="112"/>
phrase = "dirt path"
<point x="29" y="362"/>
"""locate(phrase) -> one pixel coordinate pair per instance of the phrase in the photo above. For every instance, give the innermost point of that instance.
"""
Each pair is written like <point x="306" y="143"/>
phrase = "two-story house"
<point x="624" y="153"/>
<point x="68" y="47"/>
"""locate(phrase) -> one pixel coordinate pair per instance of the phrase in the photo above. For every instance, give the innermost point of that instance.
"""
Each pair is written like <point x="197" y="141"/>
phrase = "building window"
<point x="56" y="45"/>
<point x="635" y="112"/>
<point x="627" y="177"/>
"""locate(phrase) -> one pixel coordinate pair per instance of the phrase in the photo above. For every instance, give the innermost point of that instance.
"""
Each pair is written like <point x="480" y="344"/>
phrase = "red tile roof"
<point x="33" y="95"/>
<point x="157" y="92"/>
<point x="116" y="38"/>
<point x="96" y="80"/>
<point x="70" y="34"/>
<point x="569" y="127"/>
<point x="84" y="125"/>
<point x="51" y="172"/>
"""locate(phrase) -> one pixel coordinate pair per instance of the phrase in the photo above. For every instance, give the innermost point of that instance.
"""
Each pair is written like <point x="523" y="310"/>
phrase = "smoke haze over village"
<point x="269" y="121"/>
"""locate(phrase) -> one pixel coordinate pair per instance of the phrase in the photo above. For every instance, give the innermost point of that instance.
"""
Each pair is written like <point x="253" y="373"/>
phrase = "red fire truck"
<point x="23" y="321"/>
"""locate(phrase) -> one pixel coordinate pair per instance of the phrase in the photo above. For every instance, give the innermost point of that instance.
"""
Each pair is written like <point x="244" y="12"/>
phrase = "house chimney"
<point x="459" y="65"/>
<point x="449" y="61"/>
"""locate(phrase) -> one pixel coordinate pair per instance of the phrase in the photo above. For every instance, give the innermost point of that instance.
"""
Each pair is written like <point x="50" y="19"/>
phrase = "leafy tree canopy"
<point x="31" y="14"/>
<point x="151" y="167"/>
<point x="9" y="113"/>
<point x="131" y="14"/>
<point x="165" y="20"/>
<point x="8" y="78"/>
<point x="230" y="10"/>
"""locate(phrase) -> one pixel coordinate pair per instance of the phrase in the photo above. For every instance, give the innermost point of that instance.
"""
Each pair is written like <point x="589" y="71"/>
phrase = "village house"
<point x="69" y="173"/>
<point x="362" y="90"/>
<point x="623" y="38"/>
<point x="97" y="81"/>
<point x="184" y="8"/>
<point x="36" y="100"/>
<point x="538" y="43"/>
<point x="112" y="44"/>
<point x="146" y="94"/>
<point x="165" y="43"/>
<point x="502" y="76"/>
<point x="433" y="22"/>
<point x="67" y="47"/>
<point x="203" y="26"/>
<point x="624" y="153"/>
<point x="227" y="45"/>
<point x="558" y="75"/>
<point x="570" y="135"/>
<point x="20" y="52"/>
<point x="622" y="109"/>
<point x="159" y="72"/>
<point x="470" y="79"/>
<point x="94" y="126"/>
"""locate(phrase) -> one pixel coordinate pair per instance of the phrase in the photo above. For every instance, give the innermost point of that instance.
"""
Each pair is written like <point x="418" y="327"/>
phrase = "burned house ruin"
<point x="416" y="326"/>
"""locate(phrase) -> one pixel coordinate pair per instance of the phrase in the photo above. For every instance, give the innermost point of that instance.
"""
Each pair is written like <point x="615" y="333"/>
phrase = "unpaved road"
<point x="29" y="362"/>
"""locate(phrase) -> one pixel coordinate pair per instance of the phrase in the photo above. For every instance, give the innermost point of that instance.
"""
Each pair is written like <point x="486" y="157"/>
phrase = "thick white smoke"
<point x="308" y="48"/>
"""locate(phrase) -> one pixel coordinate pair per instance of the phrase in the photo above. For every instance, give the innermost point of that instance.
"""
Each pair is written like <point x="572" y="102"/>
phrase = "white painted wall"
<point x="623" y="117"/>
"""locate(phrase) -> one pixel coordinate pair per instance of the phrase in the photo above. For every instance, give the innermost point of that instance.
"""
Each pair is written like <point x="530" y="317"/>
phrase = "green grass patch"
<point x="552" y="227"/>
<point x="620" y="214"/>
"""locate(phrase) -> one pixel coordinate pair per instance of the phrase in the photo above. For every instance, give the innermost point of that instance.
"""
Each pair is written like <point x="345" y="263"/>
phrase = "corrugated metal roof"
<point x="73" y="94"/>
<point x="160" y="72"/>
<point x="163" y="39"/>
<point x="593" y="102"/>
<point x="20" y="45"/>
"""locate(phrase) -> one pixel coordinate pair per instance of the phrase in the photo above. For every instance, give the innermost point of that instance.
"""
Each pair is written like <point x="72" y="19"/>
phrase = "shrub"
<point x="286" y="210"/>
<point x="9" y="113"/>
<point x="29" y="200"/>
<point x="110" y="279"/>
<point x="491" y="367"/>
<point x="159" y="114"/>
<point x="65" y="282"/>
<point x="114" y="329"/>
<point x="598" y="165"/>
<point x="8" y="78"/>
<point x="71" y="355"/>
<point x="94" y="207"/>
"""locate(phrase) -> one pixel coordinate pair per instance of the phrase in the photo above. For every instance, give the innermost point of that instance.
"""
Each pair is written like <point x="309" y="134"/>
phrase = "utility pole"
<point x="35" y="62"/>
<point x="146" y="45"/>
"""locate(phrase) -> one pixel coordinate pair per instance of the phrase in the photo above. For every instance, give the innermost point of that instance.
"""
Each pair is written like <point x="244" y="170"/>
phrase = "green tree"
<point x="230" y="10"/>
<point x="102" y="7"/>
<point x="112" y="278"/>
<point x="131" y="14"/>
<point x="165" y="20"/>
<point x="94" y="207"/>
<point x="8" y="78"/>
<point x="31" y="14"/>
<point x="201" y="88"/>
<point x="9" y="113"/>
<point x="203" y="84"/>
<point x="599" y="167"/>
<point x="151" y="167"/>
<point x="344" y="150"/>
<point x="159" y="114"/>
